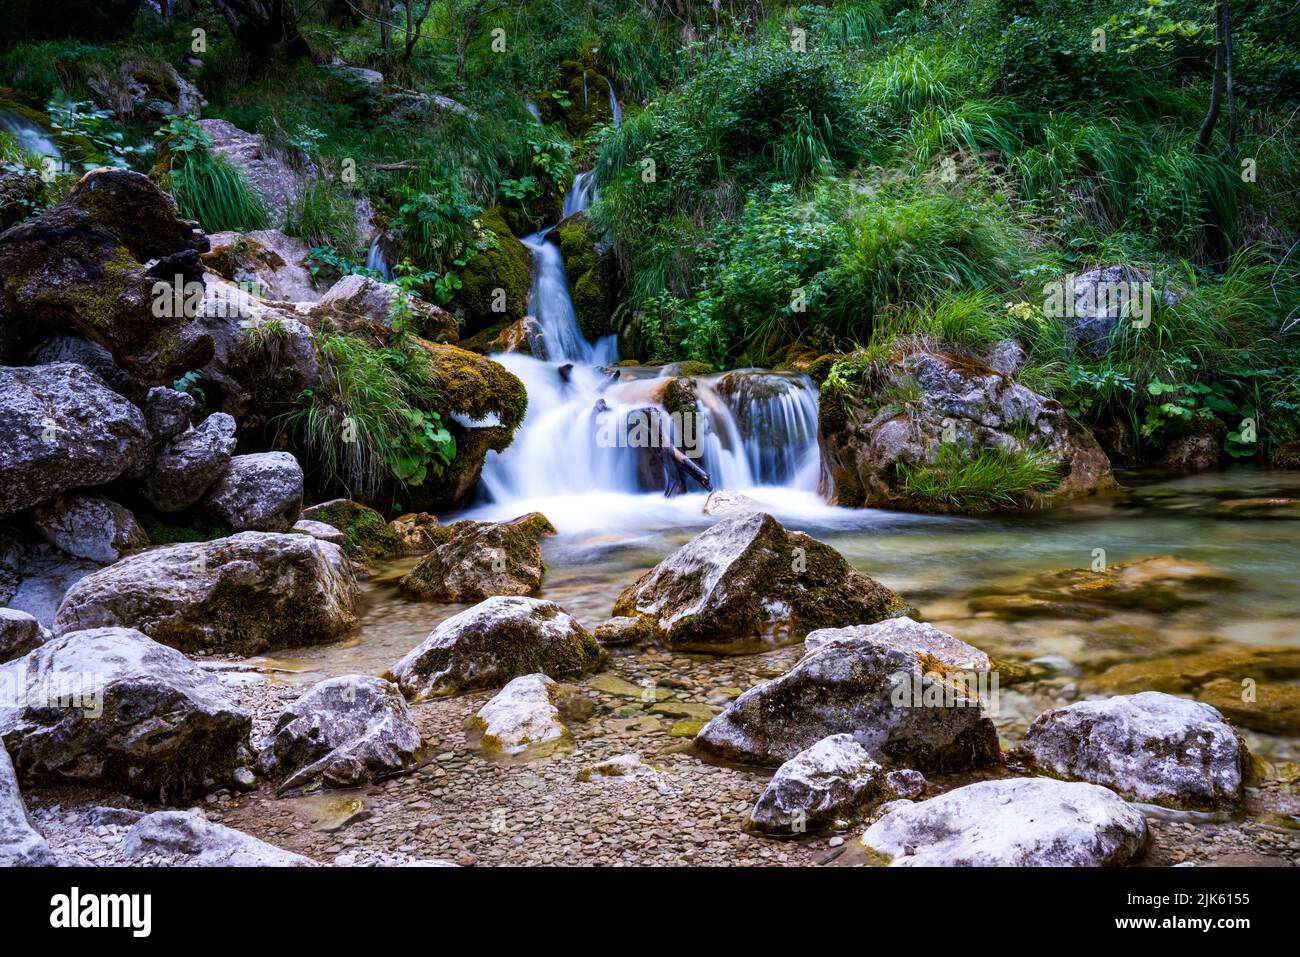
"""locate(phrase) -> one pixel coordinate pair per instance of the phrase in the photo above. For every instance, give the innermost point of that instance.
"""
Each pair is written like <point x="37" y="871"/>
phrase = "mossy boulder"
<point x="583" y="100"/>
<point x="1287" y="455"/>
<point x="476" y="387"/>
<point x="471" y="560"/>
<point x="366" y="534"/>
<point x="494" y="642"/>
<point x="916" y="426"/>
<point x="81" y="266"/>
<point x="747" y="583"/>
<point x="506" y="267"/>
<point x="592" y="276"/>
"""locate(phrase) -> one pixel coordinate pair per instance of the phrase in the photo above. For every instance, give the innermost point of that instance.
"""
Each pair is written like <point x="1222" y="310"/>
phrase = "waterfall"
<point x="614" y="108"/>
<point x="30" y="136"/>
<point x="376" y="260"/>
<point x="532" y="108"/>
<point x="579" y="455"/>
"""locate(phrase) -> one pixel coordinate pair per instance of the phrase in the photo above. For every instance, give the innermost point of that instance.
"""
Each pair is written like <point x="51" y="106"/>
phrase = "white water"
<point x="376" y="260"/>
<point x="30" y="137"/>
<point x="614" y="108"/>
<point x="756" y="430"/>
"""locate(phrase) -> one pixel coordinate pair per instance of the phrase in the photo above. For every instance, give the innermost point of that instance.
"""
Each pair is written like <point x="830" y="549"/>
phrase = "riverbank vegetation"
<point x="790" y="180"/>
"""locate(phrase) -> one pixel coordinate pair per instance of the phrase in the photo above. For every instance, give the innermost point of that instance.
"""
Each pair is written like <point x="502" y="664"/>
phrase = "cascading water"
<point x="30" y="137"/>
<point x="579" y="457"/>
<point x="376" y="260"/>
<point x="615" y="109"/>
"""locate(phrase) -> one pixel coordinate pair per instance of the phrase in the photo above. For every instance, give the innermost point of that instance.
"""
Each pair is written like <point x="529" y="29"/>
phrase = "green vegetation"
<point x="960" y="480"/>
<point x="207" y="187"/>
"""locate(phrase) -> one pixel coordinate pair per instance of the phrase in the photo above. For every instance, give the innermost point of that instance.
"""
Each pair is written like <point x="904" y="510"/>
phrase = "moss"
<point x="366" y="534"/>
<point x="1287" y="455"/>
<point x="591" y="277"/>
<point x="477" y="387"/>
<point x="507" y="267"/>
<point x="171" y="530"/>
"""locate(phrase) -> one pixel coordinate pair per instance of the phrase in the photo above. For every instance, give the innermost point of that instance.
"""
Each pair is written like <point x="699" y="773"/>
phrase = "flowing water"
<point x="757" y="435"/>
<point x="32" y="138"/>
<point x="376" y="260"/>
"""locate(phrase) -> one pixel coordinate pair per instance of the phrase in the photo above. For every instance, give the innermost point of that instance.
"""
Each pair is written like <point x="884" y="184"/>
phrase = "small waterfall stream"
<point x="754" y="430"/>
<point x="30" y="137"/>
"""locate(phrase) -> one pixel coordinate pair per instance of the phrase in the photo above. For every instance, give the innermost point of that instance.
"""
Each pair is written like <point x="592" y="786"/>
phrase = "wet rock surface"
<point x="250" y="592"/>
<point x="476" y="560"/>
<point x="746" y="582"/>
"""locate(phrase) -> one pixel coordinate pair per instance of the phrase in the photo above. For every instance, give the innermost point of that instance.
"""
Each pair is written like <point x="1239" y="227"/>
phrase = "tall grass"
<point x="964" y="480"/>
<point x="211" y="189"/>
<point x="324" y="215"/>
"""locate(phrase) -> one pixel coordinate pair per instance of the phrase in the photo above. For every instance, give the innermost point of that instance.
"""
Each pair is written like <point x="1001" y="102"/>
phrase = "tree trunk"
<point x="1206" y="134"/>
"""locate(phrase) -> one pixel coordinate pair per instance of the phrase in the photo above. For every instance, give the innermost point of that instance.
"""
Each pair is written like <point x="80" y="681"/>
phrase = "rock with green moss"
<point x="366" y="534"/>
<point x="477" y="387"/>
<point x="81" y="266"/>
<point x="496" y="281"/>
<point x="592" y="276"/>
<point x="1287" y="455"/>
<point x="908" y="426"/>
<point x="581" y="101"/>
<point x="523" y="716"/>
<point x="1149" y="747"/>
<point x="747" y="583"/>
<point x="494" y="642"/>
<point x="476" y="560"/>
<point x="249" y="593"/>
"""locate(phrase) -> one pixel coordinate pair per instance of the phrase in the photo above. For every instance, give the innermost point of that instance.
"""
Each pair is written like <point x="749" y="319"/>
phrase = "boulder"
<point x="1149" y="747"/>
<point x="63" y="429"/>
<point x="914" y="706"/>
<point x="89" y="526"/>
<point x="884" y="450"/>
<point x="905" y="635"/>
<point x="20" y="633"/>
<point x="724" y="503"/>
<point x="747" y="582"/>
<point x="263" y="354"/>
<point x="834" y="780"/>
<point x="188" y="839"/>
<point x="260" y="492"/>
<point x="265" y="262"/>
<point x="476" y="560"/>
<point x="366" y="535"/>
<point x="190" y="464"/>
<point x="1103" y="298"/>
<point x="108" y="707"/>
<point x="342" y="733"/>
<point x="167" y="413"/>
<point x="95" y="264"/>
<point x="521" y="716"/>
<point x="497" y="640"/>
<point x="625" y="630"/>
<point x="360" y="297"/>
<point x="21" y="845"/>
<point x="67" y="347"/>
<point x="419" y="532"/>
<point x="245" y="594"/>
<point x="274" y="181"/>
<point x="1017" y="822"/>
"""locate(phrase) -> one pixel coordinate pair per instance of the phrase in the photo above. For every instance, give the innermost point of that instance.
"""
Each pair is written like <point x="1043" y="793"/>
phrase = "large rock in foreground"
<point x="343" y="732"/>
<point x="477" y="560"/>
<point x="61" y="428"/>
<point x="260" y="492"/>
<point x="1019" y="822"/>
<point x="21" y="845"/>
<point x="497" y="640"/>
<point x="834" y="780"/>
<point x="1150" y="747"/>
<point x="188" y="839"/>
<point x="111" y="708"/>
<point x="747" y="582"/>
<point x="245" y="594"/>
<point x="909" y="707"/>
<point x="883" y="451"/>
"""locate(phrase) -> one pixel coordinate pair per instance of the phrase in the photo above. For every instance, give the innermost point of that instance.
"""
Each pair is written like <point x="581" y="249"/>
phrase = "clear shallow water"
<point x="937" y="563"/>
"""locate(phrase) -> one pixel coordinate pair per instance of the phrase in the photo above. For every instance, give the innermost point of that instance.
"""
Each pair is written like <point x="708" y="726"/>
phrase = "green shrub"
<point x="963" y="480"/>
<point x="325" y="215"/>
